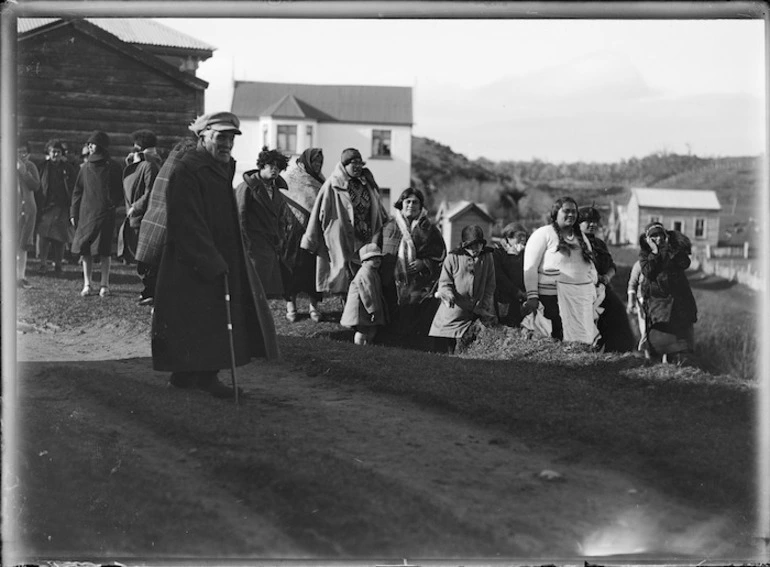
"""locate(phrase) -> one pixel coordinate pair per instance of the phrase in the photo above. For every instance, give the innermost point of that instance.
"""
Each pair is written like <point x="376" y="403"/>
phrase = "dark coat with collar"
<point x="271" y="232"/>
<point x="97" y="194"/>
<point x="203" y="243"/>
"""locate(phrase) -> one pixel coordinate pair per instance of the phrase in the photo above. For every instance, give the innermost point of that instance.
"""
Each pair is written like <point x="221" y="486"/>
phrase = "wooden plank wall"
<point x="70" y="84"/>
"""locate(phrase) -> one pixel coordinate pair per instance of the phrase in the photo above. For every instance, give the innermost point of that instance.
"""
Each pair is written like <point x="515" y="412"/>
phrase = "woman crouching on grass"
<point x="669" y="305"/>
<point x="559" y="272"/>
<point x="466" y="288"/>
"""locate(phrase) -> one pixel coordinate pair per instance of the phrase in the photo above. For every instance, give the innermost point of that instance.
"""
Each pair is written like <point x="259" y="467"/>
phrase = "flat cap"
<point x="220" y="121"/>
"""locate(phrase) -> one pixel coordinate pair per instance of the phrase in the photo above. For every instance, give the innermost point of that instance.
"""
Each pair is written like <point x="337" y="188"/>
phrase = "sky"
<point x="557" y="90"/>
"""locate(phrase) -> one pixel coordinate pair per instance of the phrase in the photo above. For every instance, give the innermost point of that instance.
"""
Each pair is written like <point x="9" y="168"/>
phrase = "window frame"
<point x="287" y="148"/>
<point x="702" y="234"/>
<point x="378" y="136"/>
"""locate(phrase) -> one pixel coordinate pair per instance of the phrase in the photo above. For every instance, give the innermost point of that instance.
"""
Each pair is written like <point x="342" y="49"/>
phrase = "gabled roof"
<point x="452" y="209"/>
<point x="97" y="33"/>
<point x="677" y="198"/>
<point x="140" y="31"/>
<point x="326" y="103"/>
<point x="290" y="107"/>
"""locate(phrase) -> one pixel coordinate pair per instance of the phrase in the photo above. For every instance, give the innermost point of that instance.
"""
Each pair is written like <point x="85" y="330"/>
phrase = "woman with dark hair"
<point x="669" y="305"/>
<point x="413" y="250"/>
<point x="57" y="181"/>
<point x="466" y="288"/>
<point x="347" y="214"/>
<point x="98" y="192"/>
<point x="613" y="321"/>
<point x="304" y="179"/>
<point x="559" y="273"/>
<point x="269" y="229"/>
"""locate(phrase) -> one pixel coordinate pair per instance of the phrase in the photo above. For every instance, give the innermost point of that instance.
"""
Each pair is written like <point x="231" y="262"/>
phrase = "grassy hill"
<point x="525" y="190"/>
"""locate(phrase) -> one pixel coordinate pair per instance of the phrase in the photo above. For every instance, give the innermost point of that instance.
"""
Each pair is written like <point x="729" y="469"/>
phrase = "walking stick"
<point x="230" y="337"/>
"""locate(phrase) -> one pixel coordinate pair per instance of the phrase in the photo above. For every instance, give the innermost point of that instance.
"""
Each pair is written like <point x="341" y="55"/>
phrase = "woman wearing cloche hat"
<point x="347" y="214"/>
<point x="466" y="288"/>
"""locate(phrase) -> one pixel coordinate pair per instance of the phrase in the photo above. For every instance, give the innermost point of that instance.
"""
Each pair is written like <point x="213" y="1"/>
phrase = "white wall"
<point x="392" y="173"/>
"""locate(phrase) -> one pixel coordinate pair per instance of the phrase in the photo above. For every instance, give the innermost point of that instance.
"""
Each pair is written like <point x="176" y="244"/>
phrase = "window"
<point x="309" y="137"/>
<point x="380" y="143"/>
<point x="700" y="228"/>
<point x="677" y="225"/>
<point x="287" y="139"/>
<point x="654" y="219"/>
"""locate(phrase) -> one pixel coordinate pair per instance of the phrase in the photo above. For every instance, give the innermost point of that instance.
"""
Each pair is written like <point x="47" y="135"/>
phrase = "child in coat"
<point x="365" y="305"/>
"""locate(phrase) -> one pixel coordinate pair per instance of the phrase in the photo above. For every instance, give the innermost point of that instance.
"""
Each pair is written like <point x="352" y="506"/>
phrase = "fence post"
<point x="708" y="250"/>
<point x="746" y="250"/>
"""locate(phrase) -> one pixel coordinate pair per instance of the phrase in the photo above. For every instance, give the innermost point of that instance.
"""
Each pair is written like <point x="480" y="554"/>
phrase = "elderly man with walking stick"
<point x="210" y="310"/>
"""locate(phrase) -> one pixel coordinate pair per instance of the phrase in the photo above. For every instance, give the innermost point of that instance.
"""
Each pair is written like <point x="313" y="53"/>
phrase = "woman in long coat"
<point x="304" y="180"/>
<point x="466" y="288"/>
<point x="57" y="181"/>
<point x="26" y="211"/>
<point x="270" y="231"/>
<point x="413" y="251"/>
<point x="203" y="244"/>
<point x="347" y="214"/>
<point x="98" y="192"/>
<point x="669" y="305"/>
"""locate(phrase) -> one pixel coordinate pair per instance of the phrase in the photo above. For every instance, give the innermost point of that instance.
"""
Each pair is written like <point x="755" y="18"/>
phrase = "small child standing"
<point x="365" y="305"/>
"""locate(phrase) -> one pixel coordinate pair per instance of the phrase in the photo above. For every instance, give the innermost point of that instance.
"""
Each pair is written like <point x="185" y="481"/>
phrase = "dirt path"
<point x="110" y="467"/>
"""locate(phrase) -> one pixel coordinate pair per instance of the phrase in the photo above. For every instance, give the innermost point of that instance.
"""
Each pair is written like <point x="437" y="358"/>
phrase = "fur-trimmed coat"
<point x="271" y="231"/>
<point x="668" y="299"/>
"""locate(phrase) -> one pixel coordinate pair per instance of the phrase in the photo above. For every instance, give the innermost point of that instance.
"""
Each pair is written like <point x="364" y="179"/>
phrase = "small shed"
<point x="693" y="212"/>
<point x="116" y="75"/>
<point x="453" y="216"/>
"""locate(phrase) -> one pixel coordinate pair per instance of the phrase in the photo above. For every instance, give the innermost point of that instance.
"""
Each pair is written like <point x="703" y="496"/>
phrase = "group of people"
<point x="211" y="256"/>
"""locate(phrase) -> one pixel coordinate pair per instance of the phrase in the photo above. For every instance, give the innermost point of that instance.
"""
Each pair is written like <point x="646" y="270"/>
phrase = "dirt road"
<point x="114" y="464"/>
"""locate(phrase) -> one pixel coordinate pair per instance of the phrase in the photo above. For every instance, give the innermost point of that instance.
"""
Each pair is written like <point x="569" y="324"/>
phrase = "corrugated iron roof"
<point x="677" y="198"/>
<point x="140" y="31"/>
<point x="332" y="103"/>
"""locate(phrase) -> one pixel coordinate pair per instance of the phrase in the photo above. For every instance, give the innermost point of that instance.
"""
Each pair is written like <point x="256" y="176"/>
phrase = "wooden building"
<point x="453" y="216"/>
<point x="116" y="75"/>
<point x="695" y="213"/>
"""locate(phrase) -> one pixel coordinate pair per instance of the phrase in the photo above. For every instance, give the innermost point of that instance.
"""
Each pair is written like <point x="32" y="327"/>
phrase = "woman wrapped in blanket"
<point x="559" y="272"/>
<point x="413" y="250"/>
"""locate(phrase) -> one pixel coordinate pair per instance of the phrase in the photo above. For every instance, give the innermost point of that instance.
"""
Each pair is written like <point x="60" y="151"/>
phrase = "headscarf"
<point x="305" y="159"/>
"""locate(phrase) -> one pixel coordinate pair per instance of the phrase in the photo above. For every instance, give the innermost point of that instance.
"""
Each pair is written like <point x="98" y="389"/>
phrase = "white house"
<point x="453" y="216"/>
<point x="693" y="212"/>
<point x="376" y="120"/>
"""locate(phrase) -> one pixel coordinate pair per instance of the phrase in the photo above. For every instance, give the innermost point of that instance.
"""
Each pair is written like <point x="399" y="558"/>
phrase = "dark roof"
<point x="139" y="31"/>
<point x="325" y="103"/>
<point x="127" y="49"/>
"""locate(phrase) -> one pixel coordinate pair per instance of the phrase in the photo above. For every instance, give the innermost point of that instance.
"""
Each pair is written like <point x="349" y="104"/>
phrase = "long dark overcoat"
<point x="98" y="192"/>
<point x="271" y="232"/>
<point x="57" y="180"/>
<point x="189" y="326"/>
